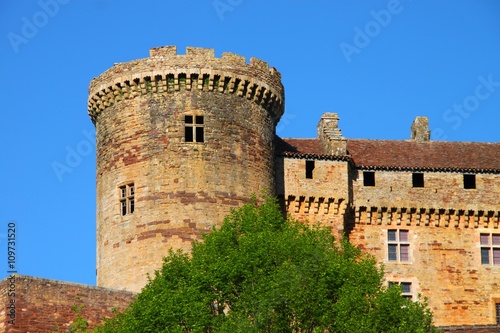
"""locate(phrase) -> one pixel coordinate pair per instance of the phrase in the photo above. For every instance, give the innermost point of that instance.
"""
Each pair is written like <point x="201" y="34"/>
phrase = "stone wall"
<point x="323" y="198"/>
<point x="444" y="265"/>
<point x="43" y="305"/>
<point x="442" y="190"/>
<point x="444" y="222"/>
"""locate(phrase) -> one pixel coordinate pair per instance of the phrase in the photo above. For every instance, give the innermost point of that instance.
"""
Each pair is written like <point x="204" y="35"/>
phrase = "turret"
<point x="181" y="139"/>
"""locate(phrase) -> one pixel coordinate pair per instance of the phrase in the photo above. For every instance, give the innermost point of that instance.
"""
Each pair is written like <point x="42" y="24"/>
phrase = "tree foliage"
<point x="263" y="273"/>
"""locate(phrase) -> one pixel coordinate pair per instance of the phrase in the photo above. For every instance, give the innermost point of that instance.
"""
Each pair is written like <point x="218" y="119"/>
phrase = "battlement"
<point x="166" y="72"/>
<point x="204" y="54"/>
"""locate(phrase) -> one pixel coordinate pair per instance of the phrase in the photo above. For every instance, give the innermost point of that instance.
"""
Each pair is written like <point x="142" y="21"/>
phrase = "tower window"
<point x="368" y="178"/>
<point x="309" y="169"/>
<point x="194" y="129"/>
<point x="469" y="181"/>
<point x="418" y="179"/>
<point x="127" y="202"/>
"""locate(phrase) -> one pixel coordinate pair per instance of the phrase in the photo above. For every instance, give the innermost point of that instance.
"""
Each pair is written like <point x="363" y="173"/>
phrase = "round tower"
<point x="181" y="139"/>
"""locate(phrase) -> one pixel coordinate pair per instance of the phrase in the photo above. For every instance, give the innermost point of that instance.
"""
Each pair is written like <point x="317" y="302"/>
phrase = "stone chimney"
<point x="420" y="129"/>
<point x="330" y="135"/>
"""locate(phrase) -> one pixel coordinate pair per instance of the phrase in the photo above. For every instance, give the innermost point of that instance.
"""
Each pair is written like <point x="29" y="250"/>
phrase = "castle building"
<point x="183" y="139"/>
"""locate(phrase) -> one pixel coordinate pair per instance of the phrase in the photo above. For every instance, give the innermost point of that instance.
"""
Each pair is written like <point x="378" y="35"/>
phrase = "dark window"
<point x="193" y="129"/>
<point x="309" y="169"/>
<point x="131" y="203"/>
<point x="497" y="309"/>
<point x="127" y="202"/>
<point x="469" y="181"/>
<point x="398" y="245"/>
<point x="368" y="178"/>
<point x="199" y="134"/>
<point x="123" y="207"/>
<point x="418" y="179"/>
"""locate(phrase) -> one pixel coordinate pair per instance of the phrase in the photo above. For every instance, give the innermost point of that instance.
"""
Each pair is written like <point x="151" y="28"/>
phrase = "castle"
<point x="183" y="139"/>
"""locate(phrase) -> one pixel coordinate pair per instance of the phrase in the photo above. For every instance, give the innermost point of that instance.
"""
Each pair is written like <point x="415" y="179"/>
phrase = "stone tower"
<point x="181" y="139"/>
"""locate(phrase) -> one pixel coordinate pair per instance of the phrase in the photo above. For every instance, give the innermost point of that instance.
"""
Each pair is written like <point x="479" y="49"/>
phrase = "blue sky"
<point x="376" y="63"/>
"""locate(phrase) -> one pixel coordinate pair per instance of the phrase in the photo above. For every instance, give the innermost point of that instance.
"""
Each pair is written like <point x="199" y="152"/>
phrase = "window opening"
<point x="490" y="249"/>
<point x="194" y="129"/>
<point x="127" y="202"/>
<point x="398" y="245"/>
<point x="418" y="179"/>
<point x="368" y="178"/>
<point x="309" y="169"/>
<point x="469" y="181"/>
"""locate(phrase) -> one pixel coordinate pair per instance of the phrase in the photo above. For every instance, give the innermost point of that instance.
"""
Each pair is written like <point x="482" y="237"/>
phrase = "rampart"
<point x="43" y="306"/>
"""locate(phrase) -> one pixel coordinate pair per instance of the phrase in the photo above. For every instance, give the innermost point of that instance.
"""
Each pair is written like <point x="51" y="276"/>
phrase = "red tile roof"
<point x="411" y="155"/>
<point x="305" y="148"/>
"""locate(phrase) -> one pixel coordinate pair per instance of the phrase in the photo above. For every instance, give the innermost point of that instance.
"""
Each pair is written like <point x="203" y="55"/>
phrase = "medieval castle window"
<point x="490" y="249"/>
<point x="309" y="169"/>
<point x="398" y="245"/>
<point x="194" y="129"/>
<point x="406" y="291"/>
<point x="417" y="179"/>
<point x="127" y="202"/>
<point x="469" y="181"/>
<point x="368" y="178"/>
<point x="497" y="310"/>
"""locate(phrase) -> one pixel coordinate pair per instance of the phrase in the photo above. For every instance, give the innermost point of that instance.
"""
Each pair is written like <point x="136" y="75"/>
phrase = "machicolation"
<point x="165" y="71"/>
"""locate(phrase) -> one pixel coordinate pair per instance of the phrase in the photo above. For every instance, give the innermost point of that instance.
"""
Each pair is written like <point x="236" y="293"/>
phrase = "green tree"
<point x="263" y="273"/>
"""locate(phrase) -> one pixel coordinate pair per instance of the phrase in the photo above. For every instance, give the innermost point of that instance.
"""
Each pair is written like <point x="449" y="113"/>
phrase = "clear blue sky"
<point x="376" y="63"/>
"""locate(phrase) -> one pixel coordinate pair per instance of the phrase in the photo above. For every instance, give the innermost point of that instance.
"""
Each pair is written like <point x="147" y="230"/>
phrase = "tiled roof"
<point x="305" y="148"/>
<point x="406" y="155"/>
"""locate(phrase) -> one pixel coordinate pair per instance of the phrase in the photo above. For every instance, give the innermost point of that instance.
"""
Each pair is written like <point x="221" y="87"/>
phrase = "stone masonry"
<point x="43" y="305"/>
<point x="184" y="184"/>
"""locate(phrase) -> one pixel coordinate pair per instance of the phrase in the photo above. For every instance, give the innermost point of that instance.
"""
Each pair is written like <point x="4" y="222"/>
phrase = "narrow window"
<point x="469" y="181"/>
<point x="123" y="205"/>
<point x="309" y="169"/>
<point x="194" y="129"/>
<point x="368" y="178"/>
<point x="188" y="129"/>
<point x="418" y="179"/>
<point x="497" y="310"/>
<point x="490" y="249"/>
<point x="127" y="202"/>
<point x="398" y="245"/>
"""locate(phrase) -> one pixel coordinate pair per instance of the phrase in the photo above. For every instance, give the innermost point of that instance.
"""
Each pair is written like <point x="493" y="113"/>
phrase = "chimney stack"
<point x="330" y="135"/>
<point x="420" y="129"/>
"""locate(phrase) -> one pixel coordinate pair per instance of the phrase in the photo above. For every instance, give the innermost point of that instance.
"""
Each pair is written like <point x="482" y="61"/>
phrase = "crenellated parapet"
<point x="166" y="72"/>
<point x="425" y="216"/>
